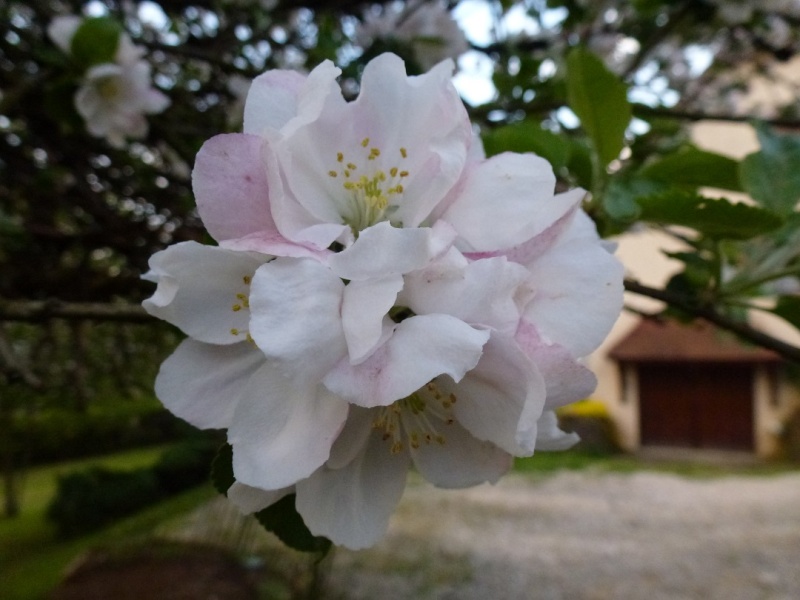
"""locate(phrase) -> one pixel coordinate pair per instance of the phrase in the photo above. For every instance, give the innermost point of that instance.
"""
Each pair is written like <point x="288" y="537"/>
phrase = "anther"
<point x="332" y="173"/>
<point x="404" y="152"/>
<point x="365" y="142"/>
<point x="236" y="307"/>
<point x="339" y="157"/>
<point x="247" y="279"/>
<point x="234" y="331"/>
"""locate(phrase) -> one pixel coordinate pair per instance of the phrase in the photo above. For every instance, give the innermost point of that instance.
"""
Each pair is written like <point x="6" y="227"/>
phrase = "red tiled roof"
<point x="657" y="340"/>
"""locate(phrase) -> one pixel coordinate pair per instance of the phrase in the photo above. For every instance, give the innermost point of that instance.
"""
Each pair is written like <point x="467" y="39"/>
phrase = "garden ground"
<point x="692" y="531"/>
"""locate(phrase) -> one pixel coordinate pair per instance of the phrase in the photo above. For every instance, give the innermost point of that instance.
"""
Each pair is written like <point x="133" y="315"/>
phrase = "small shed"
<point x="696" y="386"/>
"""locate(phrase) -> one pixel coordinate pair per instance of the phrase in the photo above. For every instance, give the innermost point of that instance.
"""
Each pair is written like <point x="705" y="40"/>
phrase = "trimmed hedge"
<point x="58" y="434"/>
<point x="92" y="498"/>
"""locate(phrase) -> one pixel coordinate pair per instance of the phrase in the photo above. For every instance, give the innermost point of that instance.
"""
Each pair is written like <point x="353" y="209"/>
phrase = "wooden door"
<point x="699" y="405"/>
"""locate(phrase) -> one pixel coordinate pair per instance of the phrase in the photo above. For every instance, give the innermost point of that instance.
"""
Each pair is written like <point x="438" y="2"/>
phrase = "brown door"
<point x="699" y="405"/>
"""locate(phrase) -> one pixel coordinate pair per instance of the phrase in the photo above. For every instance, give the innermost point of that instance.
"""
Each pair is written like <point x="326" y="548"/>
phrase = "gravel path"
<point x="585" y="535"/>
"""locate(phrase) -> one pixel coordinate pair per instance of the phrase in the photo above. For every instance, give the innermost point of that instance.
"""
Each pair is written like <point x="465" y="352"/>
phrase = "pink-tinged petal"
<point x="230" y="186"/>
<point x="536" y="246"/>
<point x="566" y="379"/>
<point x="203" y="290"/>
<point x="282" y="429"/>
<point x="270" y="242"/>
<point x="250" y="499"/>
<point x="423" y="114"/>
<point x="501" y="399"/>
<point x="418" y="141"/>
<point x="272" y="100"/>
<point x="295" y="315"/>
<point x="352" y="505"/>
<point x="578" y="290"/>
<point x="365" y="305"/>
<point x="550" y="437"/>
<point x="202" y="383"/>
<point x="384" y="250"/>
<point x="283" y="100"/>
<point x="421" y="348"/>
<point x="505" y="201"/>
<point x="481" y="293"/>
<point x="461" y="461"/>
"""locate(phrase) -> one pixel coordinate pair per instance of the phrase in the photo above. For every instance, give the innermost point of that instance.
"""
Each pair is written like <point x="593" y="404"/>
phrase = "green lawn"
<point x="32" y="560"/>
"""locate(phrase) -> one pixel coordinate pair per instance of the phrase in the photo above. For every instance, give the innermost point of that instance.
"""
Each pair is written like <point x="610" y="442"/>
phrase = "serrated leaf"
<point x="95" y="41"/>
<point x="600" y="100"/>
<point x="788" y="308"/>
<point x="714" y="217"/>
<point x="222" y="469"/>
<point x="772" y="175"/>
<point x="284" y="521"/>
<point x="527" y="137"/>
<point x="696" y="168"/>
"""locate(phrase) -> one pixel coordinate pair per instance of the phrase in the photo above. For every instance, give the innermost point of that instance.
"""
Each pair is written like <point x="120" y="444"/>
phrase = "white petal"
<point x="250" y="499"/>
<point x="351" y="506"/>
<point x="421" y="348"/>
<point x="62" y="29"/>
<point x="272" y="100"/>
<point x="282" y="429"/>
<point x="365" y="305"/>
<point x="500" y="398"/>
<point x="203" y="383"/>
<point x="550" y="437"/>
<point x="353" y="437"/>
<point x="295" y="307"/>
<point x="578" y="290"/>
<point x="482" y="293"/>
<point x="200" y="288"/>
<point x="386" y="250"/>
<point x="461" y="461"/>
<point x="506" y="200"/>
<point x="566" y="379"/>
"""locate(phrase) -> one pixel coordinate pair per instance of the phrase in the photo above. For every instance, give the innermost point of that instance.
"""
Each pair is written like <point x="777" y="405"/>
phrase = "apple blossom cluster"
<point x="427" y="27"/>
<point x="382" y="296"/>
<point x="113" y="97"/>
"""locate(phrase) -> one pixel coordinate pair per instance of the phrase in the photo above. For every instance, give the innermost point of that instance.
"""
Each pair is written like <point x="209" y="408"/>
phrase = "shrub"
<point x="90" y="499"/>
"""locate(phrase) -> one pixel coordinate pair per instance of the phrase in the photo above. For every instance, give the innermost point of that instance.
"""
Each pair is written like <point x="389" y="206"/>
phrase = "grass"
<point x="545" y="463"/>
<point x="32" y="560"/>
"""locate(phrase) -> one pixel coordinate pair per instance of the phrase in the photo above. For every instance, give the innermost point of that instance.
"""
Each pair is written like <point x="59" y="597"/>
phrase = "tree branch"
<point x="38" y="311"/>
<point x="708" y="313"/>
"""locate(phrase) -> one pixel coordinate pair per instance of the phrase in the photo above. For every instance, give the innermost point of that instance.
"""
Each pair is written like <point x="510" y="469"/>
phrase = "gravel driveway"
<point x="587" y="535"/>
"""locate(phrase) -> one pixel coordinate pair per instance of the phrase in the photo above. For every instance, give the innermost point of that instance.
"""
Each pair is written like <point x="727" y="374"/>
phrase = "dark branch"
<point x="38" y="311"/>
<point x="708" y="313"/>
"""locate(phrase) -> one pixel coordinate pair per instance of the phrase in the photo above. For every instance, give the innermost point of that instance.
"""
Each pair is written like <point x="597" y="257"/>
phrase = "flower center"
<point x="372" y="192"/>
<point x="417" y="419"/>
<point x="109" y="88"/>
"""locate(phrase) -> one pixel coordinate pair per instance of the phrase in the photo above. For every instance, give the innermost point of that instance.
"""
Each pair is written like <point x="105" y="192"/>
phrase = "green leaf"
<point x="693" y="167"/>
<point x="284" y="521"/>
<point x="96" y="41"/>
<point x="600" y="100"/>
<point x="222" y="469"/>
<point x="788" y="308"/>
<point x="528" y="136"/>
<point x="579" y="163"/>
<point x="619" y="200"/>
<point x="714" y="217"/>
<point x="772" y="175"/>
